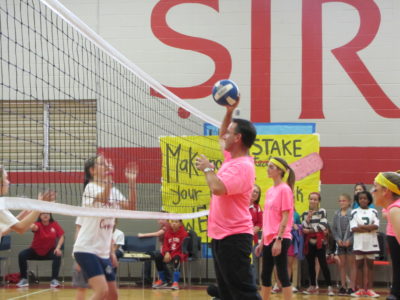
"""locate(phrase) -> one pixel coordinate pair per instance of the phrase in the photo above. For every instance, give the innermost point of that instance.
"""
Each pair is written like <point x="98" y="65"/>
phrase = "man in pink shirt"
<point x="229" y="223"/>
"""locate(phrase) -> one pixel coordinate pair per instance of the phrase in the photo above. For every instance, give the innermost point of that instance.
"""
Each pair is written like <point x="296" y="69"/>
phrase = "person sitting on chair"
<point x="171" y="252"/>
<point x="46" y="245"/>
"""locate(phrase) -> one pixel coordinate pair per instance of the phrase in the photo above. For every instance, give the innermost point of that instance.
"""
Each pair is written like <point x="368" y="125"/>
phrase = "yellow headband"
<point x="383" y="181"/>
<point x="282" y="167"/>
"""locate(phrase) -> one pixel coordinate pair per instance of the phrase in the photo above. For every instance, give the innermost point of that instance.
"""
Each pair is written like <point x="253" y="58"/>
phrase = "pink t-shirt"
<point x="278" y="199"/>
<point x="229" y="213"/>
<point x="389" y="227"/>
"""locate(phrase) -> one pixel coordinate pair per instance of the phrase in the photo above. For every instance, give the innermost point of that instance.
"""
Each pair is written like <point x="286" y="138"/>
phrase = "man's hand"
<point x="202" y="162"/>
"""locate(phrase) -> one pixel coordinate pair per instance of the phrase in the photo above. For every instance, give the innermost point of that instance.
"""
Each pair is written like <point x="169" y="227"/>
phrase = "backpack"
<point x="12" y="277"/>
<point x="194" y="246"/>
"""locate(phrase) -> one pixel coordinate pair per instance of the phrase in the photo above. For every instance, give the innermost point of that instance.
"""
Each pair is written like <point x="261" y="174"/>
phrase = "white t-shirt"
<point x="96" y="233"/>
<point x="365" y="242"/>
<point x="7" y="220"/>
<point x="119" y="239"/>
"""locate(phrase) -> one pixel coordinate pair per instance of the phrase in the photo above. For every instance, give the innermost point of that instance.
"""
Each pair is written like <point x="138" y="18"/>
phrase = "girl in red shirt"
<point x="46" y="245"/>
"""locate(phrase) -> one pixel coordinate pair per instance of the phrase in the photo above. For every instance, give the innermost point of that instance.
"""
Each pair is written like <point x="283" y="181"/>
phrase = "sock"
<point x="162" y="276"/>
<point x="177" y="274"/>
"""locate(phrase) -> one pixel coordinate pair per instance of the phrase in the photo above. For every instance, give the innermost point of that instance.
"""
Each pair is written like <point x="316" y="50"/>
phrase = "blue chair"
<point x="5" y="245"/>
<point x="135" y="250"/>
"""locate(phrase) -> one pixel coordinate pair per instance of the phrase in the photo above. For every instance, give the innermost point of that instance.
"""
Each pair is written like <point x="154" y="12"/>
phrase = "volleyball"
<point x="225" y="92"/>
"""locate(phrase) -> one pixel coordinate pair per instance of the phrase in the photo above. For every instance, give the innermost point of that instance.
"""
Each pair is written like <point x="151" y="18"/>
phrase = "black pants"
<point x="394" y="249"/>
<point x="161" y="266"/>
<point x="313" y="252"/>
<point x="232" y="267"/>
<point x="281" y="264"/>
<point x="30" y="254"/>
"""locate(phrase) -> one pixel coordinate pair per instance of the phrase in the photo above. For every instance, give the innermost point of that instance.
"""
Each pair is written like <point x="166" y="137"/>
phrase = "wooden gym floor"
<point x="43" y="292"/>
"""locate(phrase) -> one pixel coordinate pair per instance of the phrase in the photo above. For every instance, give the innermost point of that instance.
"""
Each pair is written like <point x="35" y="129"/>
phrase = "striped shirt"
<point x="318" y="222"/>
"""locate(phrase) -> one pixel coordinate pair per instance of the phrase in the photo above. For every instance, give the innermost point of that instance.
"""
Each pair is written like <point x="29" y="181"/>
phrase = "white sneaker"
<point x="294" y="289"/>
<point x="23" y="283"/>
<point x="330" y="291"/>
<point x="54" y="283"/>
<point x="276" y="289"/>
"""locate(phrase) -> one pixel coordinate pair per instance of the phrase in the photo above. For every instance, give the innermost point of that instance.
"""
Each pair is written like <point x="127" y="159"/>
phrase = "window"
<point x="49" y="135"/>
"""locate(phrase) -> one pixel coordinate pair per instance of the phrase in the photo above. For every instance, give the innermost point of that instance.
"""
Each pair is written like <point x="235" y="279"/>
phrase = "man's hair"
<point x="247" y="130"/>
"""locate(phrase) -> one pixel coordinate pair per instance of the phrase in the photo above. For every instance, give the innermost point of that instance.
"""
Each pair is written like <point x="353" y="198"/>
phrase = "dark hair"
<point x="393" y="177"/>
<point x="259" y="194"/>
<point x="368" y="194"/>
<point x="51" y="218"/>
<point x="360" y="184"/>
<point x="315" y="193"/>
<point x="89" y="163"/>
<point x="247" y="130"/>
<point x="292" y="177"/>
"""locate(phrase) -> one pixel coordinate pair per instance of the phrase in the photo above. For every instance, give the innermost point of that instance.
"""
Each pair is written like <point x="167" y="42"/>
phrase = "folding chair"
<point x="61" y="266"/>
<point x="192" y="247"/>
<point x="137" y="250"/>
<point x="383" y="258"/>
<point x="5" y="245"/>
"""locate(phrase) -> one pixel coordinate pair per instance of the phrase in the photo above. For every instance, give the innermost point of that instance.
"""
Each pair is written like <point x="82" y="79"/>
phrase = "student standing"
<point x="277" y="226"/>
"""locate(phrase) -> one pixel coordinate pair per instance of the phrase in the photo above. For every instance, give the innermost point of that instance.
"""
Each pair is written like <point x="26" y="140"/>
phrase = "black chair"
<point x="5" y="245"/>
<point x="192" y="248"/>
<point x="137" y="250"/>
<point x="383" y="258"/>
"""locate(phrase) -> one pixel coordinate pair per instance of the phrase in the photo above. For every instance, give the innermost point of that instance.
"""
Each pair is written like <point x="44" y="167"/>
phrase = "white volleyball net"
<point x="66" y="94"/>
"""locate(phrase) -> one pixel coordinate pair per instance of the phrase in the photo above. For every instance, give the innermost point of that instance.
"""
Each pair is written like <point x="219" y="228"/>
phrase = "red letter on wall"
<point x="261" y="61"/>
<point x="219" y="54"/>
<point x="346" y="55"/>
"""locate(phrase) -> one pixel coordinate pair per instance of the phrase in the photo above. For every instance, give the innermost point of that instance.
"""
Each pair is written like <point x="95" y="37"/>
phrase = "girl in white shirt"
<point x="25" y="219"/>
<point x="92" y="249"/>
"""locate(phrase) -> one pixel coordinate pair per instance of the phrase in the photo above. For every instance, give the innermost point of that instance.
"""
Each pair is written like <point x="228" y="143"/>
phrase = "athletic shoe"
<point x="330" y="291"/>
<point x="350" y="291"/>
<point x="342" y="292"/>
<point x="159" y="284"/>
<point x="276" y="289"/>
<point x="312" y="290"/>
<point x="175" y="286"/>
<point x="23" y="283"/>
<point x="294" y="289"/>
<point x="372" y="294"/>
<point x="359" y="293"/>
<point x="54" y="283"/>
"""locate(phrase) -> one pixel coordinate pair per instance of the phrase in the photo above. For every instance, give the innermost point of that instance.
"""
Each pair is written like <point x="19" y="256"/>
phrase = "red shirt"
<point x="257" y="217"/>
<point x="173" y="242"/>
<point x="45" y="237"/>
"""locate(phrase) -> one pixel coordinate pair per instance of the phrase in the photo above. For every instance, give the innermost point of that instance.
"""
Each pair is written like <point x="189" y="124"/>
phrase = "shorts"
<point x="367" y="256"/>
<point x="92" y="265"/>
<point x="344" y="250"/>
<point x="78" y="280"/>
<point x="290" y="251"/>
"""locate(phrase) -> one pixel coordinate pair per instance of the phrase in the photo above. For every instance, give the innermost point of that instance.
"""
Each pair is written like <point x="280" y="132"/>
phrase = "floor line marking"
<point x="30" y="294"/>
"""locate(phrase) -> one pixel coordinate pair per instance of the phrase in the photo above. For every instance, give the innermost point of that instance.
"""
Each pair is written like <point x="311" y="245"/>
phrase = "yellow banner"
<point x="291" y="148"/>
<point x="184" y="188"/>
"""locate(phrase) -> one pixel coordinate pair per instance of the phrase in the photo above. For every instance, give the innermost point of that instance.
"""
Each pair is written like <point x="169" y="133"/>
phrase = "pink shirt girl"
<point x="278" y="199"/>
<point x="389" y="227"/>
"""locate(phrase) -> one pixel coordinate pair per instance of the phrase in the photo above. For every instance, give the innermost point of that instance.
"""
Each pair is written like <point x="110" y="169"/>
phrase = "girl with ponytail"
<point x="387" y="195"/>
<point x="277" y="226"/>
